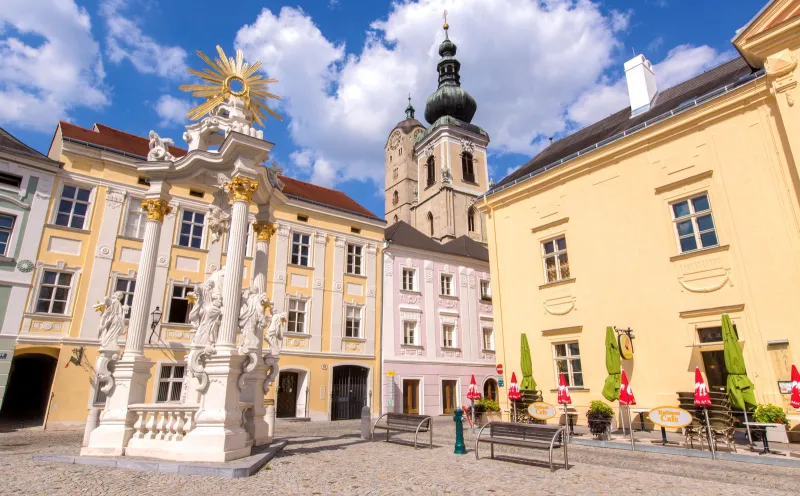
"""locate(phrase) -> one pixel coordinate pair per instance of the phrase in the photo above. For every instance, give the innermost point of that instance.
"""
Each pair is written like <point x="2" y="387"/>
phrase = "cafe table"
<point x="756" y="426"/>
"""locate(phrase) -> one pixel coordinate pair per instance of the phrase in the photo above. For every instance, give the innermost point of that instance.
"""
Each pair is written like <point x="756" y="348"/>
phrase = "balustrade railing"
<point x="159" y="427"/>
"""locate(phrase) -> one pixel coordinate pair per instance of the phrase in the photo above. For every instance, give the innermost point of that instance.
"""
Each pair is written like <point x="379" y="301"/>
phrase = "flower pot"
<point x="484" y="418"/>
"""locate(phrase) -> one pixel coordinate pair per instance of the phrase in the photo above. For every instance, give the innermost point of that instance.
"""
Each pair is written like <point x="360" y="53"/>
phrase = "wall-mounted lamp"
<point x="155" y="319"/>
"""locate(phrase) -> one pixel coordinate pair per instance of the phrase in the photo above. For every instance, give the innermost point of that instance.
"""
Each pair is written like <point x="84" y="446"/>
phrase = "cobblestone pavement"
<point x="332" y="459"/>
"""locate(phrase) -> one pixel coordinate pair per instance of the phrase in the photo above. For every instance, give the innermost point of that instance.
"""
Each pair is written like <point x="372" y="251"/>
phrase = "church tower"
<point x="450" y="157"/>
<point x="401" y="169"/>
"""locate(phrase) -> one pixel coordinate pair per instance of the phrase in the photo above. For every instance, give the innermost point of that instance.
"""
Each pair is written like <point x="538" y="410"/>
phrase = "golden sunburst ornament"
<point x="231" y="77"/>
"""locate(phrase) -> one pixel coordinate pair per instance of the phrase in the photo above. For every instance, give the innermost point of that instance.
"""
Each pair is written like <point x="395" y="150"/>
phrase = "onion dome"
<point x="410" y="123"/>
<point x="450" y="99"/>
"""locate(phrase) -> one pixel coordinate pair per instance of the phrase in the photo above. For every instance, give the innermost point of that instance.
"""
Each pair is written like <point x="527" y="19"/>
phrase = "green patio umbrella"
<point x="741" y="392"/>
<point x="611" y="387"/>
<point x="527" y="384"/>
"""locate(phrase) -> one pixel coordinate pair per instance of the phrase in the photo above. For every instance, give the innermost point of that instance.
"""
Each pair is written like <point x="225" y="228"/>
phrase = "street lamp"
<point x="155" y="317"/>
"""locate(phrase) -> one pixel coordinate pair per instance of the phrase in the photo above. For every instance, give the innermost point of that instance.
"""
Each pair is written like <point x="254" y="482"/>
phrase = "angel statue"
<point x="218" y="222"/>
<point x="159" y="148"/>
<point x="112" y="321"/>
<point x="252" y="319"/>
<point x="447" y="176"/>
<point x="275" y="332"/>
<point x="206" y="314"/>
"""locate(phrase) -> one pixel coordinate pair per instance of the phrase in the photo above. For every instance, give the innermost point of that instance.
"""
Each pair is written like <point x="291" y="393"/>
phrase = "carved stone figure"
<point x="206" y="314"/>
<point x="219" y="222"/>
<point x="112" y="321"/>
<point x="447" y="176"/>
<point x="159" y="148"/>
<point x="273" y="171"/>
<point x="252" y="319"/>
<point x="275" y="332"/>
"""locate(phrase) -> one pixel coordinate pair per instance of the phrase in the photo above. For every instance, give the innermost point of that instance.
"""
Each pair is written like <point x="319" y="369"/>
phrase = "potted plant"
<point x="600" y="416"/>
<point x="774" y="415"/>
<point x="486" y="411"/>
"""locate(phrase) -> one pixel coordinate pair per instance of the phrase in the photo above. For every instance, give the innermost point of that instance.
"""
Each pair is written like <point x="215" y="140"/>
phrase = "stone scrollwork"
<point x="104" y="370"/>
<point x="467" y="145"/>
<point x="780" y="68"/>
<point x="707" y="289"/>
<point x="159" y="148"/>
<point x="114" y="197"/>
<point x="242" y="188"/>
<point x="156" y="209"/>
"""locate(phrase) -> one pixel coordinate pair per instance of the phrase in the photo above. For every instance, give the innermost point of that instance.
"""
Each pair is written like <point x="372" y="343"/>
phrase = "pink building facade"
<point x="438" y="328"/>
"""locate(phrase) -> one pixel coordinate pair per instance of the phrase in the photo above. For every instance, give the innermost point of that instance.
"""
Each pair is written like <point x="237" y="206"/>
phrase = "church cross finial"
<point x="446" y="26"/>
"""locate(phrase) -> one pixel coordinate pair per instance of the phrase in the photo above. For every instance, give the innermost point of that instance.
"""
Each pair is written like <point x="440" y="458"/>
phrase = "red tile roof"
<point x="138" y="146"/>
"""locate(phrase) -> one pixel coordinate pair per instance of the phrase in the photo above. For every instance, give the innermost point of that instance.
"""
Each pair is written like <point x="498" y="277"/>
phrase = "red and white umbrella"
<point x="701" y="396"/>
<point x="472" y="392"/>
<point x="795" y="401"/>
<point x="563" y="392"/>
<point x="513" y="388"/>
<point x="625" y="392"/>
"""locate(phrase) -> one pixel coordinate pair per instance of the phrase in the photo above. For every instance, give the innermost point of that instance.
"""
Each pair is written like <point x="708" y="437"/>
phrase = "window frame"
<point x="415" y="335"/>
<point x="692" y="217"/>
<point x="413" y="279"/>
<point x="305" y="312"/>
<point x="188" y="288"/>
<point x="113" y="289"/>
<point x="89" y="205"/>
<point x="487" y="295"/>
<point x="555" y="254"/>
<point x="430" y="171"/>
<point x="484" y="346"/>
<point x="569" y="359"/>
<point x="468" y="167"/>
<point x="471" y="220"/>
<point x="359" y="256"/>
<point x="133" y="201"/>
<point x="172" y="381"/>
<point x="454" y="338"/>
<point x="179" y="225"/>
<point x="451" y="290"/>
<point x="40" y="285"/>
<point x="9" y="251"/>
<point x="310" y="255"/>
<point x="359" y="318"/>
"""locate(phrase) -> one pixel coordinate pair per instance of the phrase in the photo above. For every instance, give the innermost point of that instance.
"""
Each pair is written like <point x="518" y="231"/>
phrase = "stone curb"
<point x="237" y="469"/>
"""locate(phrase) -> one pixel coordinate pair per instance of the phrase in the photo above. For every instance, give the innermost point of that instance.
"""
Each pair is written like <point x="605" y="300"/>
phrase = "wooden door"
<point x="449" y="397"/>
<point x="411" y="396"/>
<point x="348" y="392"/>
<point x="287" y="395"/>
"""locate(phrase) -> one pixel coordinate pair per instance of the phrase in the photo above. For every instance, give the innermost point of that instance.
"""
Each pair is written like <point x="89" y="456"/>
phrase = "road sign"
<point x="499" y="369"/>
<point x="500" y="382"/>
<point x="390" y="373"/>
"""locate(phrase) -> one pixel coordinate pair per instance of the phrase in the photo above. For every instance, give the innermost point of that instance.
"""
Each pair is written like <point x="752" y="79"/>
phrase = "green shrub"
<point x="599" y="416"/>
<point x="485" y="405"/>
<point x="771" y="414"/>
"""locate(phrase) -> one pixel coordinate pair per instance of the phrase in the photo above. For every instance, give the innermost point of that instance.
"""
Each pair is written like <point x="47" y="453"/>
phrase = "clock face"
<point x="625" y="347"/>
<point x="394" y="141"/>
<point x="417" y="133"/>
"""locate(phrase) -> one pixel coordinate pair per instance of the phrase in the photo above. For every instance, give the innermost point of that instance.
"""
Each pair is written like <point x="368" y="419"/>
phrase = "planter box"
<point x="484" y="418"/>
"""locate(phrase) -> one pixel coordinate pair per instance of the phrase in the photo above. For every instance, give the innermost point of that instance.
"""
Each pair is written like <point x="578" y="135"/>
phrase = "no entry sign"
<point x="499" y="369"/>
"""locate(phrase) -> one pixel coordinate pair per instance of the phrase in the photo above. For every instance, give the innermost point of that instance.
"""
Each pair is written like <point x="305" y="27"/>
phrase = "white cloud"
<point x="171" y="110"/>
<point x="680" y="64"/>
<point x="524" y="61"/>
<point x="125" y="40"/>
<point x="656" y="44"/>
<point x="620" y="20"/>
<point x="49" y="63"/>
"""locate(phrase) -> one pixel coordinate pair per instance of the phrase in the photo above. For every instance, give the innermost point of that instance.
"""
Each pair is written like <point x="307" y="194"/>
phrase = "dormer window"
<point x="468" y="167"/>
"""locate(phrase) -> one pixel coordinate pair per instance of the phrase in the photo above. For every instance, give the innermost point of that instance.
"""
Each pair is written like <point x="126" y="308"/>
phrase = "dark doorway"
<point x="716" y="372"/>
<point x="28" y="390"/>
<point x="348" y="392"/>
<point x="449" y="397"/>
<point x="490" y="389"/>
<point x="411" y="396"/>
<point x="287" y="395"/>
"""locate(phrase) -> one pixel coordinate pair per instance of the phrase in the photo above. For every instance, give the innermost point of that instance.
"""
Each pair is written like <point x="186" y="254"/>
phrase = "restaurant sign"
<point x="670" y="416"/>
<point x="541" y="410"/>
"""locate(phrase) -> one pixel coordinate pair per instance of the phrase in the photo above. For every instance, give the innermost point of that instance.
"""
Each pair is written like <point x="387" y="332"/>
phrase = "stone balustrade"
<point x="160" y="428"/>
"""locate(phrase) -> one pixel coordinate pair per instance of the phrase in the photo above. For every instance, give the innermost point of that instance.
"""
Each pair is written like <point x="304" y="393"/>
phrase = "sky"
<point x="345" y="68"/>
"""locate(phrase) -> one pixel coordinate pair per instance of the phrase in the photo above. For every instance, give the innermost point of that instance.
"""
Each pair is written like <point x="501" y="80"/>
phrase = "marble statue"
<point x="112" y="321"/>
<point x="219" y="222"/>
<point x="159" y="148"/>
<point x="206" y="314"/>
<point x="447" y="176"/>
<point x="275" y="332"/>
<point x="252" y="318"/>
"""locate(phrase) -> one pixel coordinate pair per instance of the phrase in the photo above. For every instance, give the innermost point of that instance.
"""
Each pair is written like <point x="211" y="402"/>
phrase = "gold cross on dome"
<point x="445" y="19"/>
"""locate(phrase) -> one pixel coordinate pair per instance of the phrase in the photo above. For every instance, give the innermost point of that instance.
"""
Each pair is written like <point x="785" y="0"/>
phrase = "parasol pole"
<point x="710" y="435"/>
<point x="566" y="422"/>
<point x="515" y="410"/>
<point x="630" y="427"/>
<point x="747" y="425"/>
<point x="472" y="412"/>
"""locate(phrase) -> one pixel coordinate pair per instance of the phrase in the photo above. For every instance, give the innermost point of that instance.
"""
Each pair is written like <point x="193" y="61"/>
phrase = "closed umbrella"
<point x="563" y="396"/>
<point x="513" y="393"/>
<point x="795" y="401"/>
<point x="703" y="399"/>
<point x="527" y="384"/>
<point x="741" y="392"/>
<point x="611" y="386"/>
<point x="626" y="399"/>
<point x="472" y="395"/>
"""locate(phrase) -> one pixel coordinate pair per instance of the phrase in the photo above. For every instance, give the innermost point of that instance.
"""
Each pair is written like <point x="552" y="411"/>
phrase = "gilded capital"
<point x="156" y="209"/>
<point x="242" y="188"/>
<point x="264" y="230"/>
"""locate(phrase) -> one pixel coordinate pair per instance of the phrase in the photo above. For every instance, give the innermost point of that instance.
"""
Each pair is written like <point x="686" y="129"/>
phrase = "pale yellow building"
<point x="322" y="270"/>
<point x="659" y="219"/>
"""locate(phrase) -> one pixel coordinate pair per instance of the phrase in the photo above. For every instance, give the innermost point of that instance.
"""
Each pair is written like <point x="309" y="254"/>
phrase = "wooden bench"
<point x="405" y="422"/>
<point x="540" y="436"/>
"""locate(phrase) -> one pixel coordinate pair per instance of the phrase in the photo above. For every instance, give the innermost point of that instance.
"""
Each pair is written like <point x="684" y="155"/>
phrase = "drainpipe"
<point x="386" y="243"/>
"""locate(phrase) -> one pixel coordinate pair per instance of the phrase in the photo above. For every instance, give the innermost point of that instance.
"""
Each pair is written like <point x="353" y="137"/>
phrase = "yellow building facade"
<point x="322" y="270"/>
<point x="660" y="220"/>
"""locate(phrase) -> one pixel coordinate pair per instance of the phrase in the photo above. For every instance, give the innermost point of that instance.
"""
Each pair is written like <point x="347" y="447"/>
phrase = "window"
<point x="486" y="290"/>
<point x="446" y="285"/>
<point x="301" y="244"/>
<point x="6" y="228"/>
<point x="409" y="332"/>
<point x="135" y="220"/>
<point x="54" y="292"/>
<point x="143" y="181"/>
<point x="170" y="383"/>
<point x="395" y="198"/>
<point x="179" y="306"/>
<point x="409" y="280"/>
<point x="196" y="193"/>
<point x="488" y="339"/>
<point x="396" y="218"/>
<point x="191" y="234"/>
<point x="694" y="225"/>
<point x="72" y="207"/>
<point x="10" y="180"/>
<point x="354" y="259"/>
<point x="355" y="230"/>
<point x="430" y="170"/>
<point x="448" y="335"/>
<point x="352" y="322"/>
<point x="297" y="315"/>
<point x="430" y="223"/>
<point x="712" y="334"/>
<point x="468" y="167"/>
<point x="302" y="218"/>
<point x="394" y="172"/>
<point x="556" y="264"/>
<point x="126" y="286"/>
<point x="567" y="357"/>
<point x="471" y="219"/>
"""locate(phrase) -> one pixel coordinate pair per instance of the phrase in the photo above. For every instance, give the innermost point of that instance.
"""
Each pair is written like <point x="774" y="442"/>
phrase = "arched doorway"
<point x="490" y="389"/>
<point x="28" y="391"/>
<point x="349" y="391"/>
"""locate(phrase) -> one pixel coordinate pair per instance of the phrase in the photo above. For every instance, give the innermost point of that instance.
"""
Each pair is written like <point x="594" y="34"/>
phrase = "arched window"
<point x="468" y="167"/>
<point x="395" y="219"/>
<point x="471" y="219"/>
<point x="431" y="170"/>
<point x="490" y="389"/>
<point x="430" y="223"/>
<point x="395" y="198"/>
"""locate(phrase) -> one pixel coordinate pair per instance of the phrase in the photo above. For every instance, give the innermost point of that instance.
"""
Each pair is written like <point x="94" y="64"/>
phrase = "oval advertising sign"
<point x="670" y="416"/>
<point x="541" y="410"/>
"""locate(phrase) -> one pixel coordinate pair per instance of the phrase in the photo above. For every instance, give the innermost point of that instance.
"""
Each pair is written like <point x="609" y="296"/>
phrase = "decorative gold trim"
<point x="695" y="253"/>
<point x="242" y="188"/>
<point x="711" y="311"/>
<point x="549" y="225"/>
<point x="684" y="182"/>
<point x="156" y="209"/>
<point x="264" y="230"/>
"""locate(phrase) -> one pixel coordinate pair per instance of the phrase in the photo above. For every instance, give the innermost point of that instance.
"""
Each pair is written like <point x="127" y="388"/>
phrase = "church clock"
<point x="394" y="141"/>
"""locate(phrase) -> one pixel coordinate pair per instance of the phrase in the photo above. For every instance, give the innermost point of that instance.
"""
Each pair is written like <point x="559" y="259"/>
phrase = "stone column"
<point x="133" y="370"/>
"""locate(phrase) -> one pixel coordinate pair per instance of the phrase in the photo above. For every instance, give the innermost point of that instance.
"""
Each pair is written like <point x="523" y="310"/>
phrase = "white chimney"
<point x="641" y="84"/>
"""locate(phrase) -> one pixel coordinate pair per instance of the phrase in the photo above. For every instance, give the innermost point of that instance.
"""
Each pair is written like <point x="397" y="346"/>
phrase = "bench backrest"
<point x="524" y="432"/>
<point x="407" y="421"/>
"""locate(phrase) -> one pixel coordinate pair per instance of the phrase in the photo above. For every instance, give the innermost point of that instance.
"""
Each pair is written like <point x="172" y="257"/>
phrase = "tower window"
<point x="430" y="223"/>
<point x="395" y="198"/>
<point x="468" y="167"/>
<point x="394" y="173"/>
<point x="396" y="219"/>
<point x="431" y="170"/>
<point x="471" y="219"/>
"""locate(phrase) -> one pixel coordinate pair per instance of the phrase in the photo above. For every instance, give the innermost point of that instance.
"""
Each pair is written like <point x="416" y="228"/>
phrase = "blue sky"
<point x="537" y="69"/>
